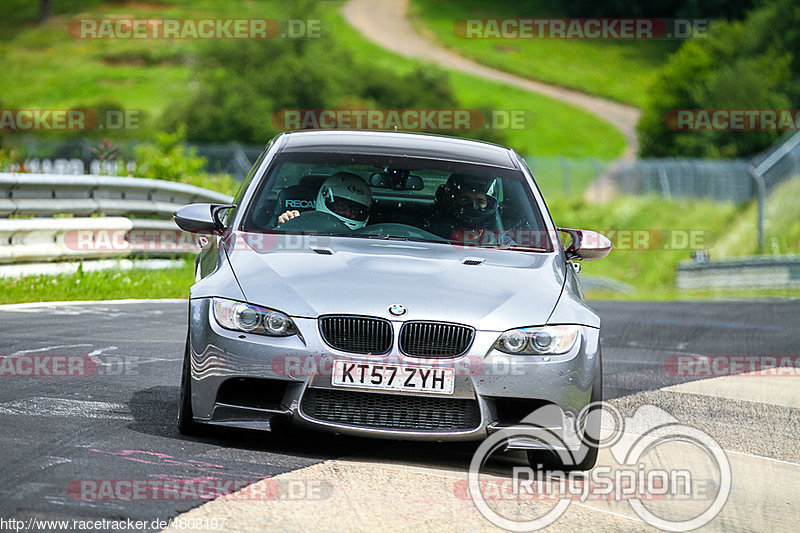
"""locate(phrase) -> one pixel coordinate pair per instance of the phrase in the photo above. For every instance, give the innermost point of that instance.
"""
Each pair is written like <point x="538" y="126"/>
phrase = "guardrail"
<point x="759" y="272"/>
<point x="47" y="195"/>
<point x="36" y="234"/>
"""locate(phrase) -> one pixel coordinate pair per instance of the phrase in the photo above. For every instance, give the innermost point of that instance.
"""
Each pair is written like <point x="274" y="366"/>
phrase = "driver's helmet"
<point x="471" y="200"/>
<point x="347" y="197"/>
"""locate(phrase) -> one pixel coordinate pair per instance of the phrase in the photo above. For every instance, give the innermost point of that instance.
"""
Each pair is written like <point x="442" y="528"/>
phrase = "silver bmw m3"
<point x="393" y="285"/>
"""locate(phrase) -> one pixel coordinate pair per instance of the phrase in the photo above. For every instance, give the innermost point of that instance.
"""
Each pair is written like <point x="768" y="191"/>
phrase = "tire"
<point x="589" y="446"/>
<point x="186" y="423"/>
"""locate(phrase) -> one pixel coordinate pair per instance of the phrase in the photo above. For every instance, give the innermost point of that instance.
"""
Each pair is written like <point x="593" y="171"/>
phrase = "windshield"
<point x="416" y="199"/>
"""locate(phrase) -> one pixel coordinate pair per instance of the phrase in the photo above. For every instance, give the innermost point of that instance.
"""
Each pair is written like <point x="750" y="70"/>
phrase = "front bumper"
<point x="498" y="389"/>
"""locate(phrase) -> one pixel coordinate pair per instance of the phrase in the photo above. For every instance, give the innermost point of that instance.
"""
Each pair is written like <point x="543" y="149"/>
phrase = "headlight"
<point x="249" y="318"/>
<point x="545" y="340"/>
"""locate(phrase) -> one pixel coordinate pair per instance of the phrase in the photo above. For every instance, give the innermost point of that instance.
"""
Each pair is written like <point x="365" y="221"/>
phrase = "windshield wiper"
<point x="505" y="247"/>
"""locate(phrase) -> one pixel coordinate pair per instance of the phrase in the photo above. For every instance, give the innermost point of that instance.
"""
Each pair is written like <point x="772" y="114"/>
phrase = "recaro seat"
<point x="300" y="197"/>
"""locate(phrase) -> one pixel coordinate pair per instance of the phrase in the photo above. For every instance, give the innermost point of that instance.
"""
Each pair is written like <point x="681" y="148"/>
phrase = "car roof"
<point x="400" y="144"/>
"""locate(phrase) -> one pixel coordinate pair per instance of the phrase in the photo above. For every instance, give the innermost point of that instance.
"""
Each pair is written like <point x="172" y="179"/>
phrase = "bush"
<point x="660" y="8"/>
<point x="170" y="158"/>
<point x="241" y="84"/>
<point x="753" y="64"/>
<point x="11" y="160"/>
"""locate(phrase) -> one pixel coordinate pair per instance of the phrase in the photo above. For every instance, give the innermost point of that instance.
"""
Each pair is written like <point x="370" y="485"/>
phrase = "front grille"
<point x="435" y="339"/>
<point x="357" y="334"/>
<point x="390" y="411"/>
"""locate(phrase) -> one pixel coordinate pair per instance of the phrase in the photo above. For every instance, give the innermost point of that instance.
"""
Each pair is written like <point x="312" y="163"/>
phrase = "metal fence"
<point x="731" y="180"/>
<point x="76" y="156"/>
<point x="759" y="272"/>
<point x="722" y="180"/>
<point x="675" y="178"/>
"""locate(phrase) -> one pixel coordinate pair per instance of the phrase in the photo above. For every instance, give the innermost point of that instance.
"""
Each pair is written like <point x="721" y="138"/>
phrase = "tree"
<point x="45" y="10"/>
<point x="749" y="64"/>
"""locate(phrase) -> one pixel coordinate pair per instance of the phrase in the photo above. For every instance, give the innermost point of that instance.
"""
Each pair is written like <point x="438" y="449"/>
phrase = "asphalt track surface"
<point x="120" y="422"/>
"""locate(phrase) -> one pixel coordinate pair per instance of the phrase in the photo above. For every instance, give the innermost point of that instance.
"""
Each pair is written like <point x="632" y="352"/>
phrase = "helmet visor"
<point x="347" y="208"/>
<point x="472" y="200"/>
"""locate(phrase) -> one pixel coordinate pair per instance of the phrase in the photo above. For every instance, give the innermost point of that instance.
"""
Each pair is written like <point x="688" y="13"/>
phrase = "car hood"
<point x="365" y="277"/>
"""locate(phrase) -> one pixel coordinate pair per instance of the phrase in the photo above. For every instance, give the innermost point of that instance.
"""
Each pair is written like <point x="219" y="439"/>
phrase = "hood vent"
<point x="472" y="261"/>
<point x="322" y="251"/>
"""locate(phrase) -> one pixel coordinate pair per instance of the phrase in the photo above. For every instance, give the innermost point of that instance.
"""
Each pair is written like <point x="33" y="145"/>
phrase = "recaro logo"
<point x="299" y="203"/>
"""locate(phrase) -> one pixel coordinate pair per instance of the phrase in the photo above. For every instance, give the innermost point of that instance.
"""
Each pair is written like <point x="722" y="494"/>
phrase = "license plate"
<point x="393" y="377"/>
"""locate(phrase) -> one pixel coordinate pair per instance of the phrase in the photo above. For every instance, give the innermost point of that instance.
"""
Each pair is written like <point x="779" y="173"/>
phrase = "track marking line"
<point x="48" y="348"/>
<point x="37" y="305"/>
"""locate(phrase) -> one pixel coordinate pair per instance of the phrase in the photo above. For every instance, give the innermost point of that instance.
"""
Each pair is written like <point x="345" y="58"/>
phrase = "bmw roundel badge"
<point x="397" y="310"/>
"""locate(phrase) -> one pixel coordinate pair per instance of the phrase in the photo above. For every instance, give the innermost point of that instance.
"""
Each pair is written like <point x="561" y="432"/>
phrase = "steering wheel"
<point x="400" y="230"/>
<point x="315" y="221"/>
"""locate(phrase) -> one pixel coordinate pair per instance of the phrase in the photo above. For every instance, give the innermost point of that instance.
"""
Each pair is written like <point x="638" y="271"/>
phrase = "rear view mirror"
<point x="414" y="183"/>
<point x="398" y="181"/>
<point x="586" y="245"/>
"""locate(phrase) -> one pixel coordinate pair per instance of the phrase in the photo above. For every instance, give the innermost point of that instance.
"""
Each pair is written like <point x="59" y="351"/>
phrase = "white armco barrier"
<point x="36" y="234"/>
<point x="47" y="195"/>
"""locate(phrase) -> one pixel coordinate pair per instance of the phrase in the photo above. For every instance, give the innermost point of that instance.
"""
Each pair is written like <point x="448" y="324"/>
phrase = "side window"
<point x="237" y="198"/>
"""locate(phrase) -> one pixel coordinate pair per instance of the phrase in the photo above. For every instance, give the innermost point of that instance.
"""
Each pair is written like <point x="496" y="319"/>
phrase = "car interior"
<point x="403" y="205"/>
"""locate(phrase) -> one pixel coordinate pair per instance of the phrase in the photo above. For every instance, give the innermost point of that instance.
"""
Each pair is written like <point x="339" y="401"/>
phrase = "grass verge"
<point x="664" y="294"/>
<point x="650" y="236"/>
<point x="781" y="226"/>
<point x="101" y="285"/>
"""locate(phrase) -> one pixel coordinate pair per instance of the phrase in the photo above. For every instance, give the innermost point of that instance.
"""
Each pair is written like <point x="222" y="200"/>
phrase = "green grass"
<point x="651" y="269"/>
<point x="563" y="176"/>
<point x="44" y="67"/>
<point x="664" y="294"/>
<point x="222" y="183"/>
<point x="619" y="70"/>
<point x="781" y="226"/>
<point x="101" y="285"/>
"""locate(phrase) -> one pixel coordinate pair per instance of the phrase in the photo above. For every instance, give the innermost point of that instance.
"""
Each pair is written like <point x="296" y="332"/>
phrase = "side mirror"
<point x="201" y="218"/>
<point x="586" y="245"/>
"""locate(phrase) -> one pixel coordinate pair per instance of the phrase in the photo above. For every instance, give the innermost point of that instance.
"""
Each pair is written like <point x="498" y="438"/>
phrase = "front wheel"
<point x="186" y="423"/>
<point x="586" y="456"/>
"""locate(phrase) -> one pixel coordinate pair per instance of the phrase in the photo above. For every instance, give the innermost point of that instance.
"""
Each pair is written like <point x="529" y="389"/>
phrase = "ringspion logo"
<point x="667" y="494"/>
